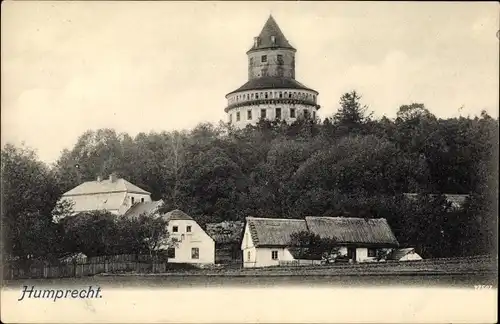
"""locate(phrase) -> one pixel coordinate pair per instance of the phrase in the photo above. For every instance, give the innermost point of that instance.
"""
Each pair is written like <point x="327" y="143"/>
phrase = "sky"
<point x="67" y="67"/>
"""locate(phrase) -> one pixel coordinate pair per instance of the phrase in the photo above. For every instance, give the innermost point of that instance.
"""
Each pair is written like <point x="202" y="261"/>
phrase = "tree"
<point x="312" y="246"/>
<point x="352" y="115"/>
<point x="29" y="195"/>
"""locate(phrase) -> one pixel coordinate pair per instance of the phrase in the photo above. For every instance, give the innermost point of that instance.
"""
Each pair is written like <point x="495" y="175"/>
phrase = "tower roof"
<point x="271" y="36"/>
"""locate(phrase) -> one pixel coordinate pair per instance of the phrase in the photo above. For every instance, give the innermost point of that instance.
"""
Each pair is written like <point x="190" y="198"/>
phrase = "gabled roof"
<point x="148" y="208"/>
<point x="272" y="83"/>
<point x="105" y="186"/>
<point x="270" y="29"/>
<point x="226" y="232"/>
<point x="351" y="230"/>
<point x="177" y="214"/>
<point x="273" y="231"/>
<point x="397" y="254"/>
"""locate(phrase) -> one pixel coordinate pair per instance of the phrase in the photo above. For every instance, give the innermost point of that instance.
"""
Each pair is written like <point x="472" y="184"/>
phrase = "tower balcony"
<point x="276" y="101"/>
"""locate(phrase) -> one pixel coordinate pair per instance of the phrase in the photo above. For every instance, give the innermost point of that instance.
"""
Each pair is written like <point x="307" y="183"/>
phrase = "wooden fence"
<point x="127" y="263"/>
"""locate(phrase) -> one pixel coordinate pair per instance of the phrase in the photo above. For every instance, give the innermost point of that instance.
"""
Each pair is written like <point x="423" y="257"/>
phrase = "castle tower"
<point x="271" y="91"/>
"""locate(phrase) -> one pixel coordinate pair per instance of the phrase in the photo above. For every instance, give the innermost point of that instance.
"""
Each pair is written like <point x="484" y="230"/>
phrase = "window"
<point x="281" y="95"/>
<point x="266" y="95"/>
<point x="238" y="116"/>
<point x="306" y="113"/>
<point x="263" y="58"/>
<point x="249" y="256"/>
<point x="188" y="229"/>
<point x="132" y="200"/>
<point x="256" y="96"/>
<point x="314" y="115"/>
<point x="273" y="39"/>
<point x="230" y="118"/>
<point x="278" y="113"/>
<point x="263" y="113"/>
<point x="280" y="59"/>
<point x="249" y="114"/>
<point x="251" y="61"/>
<point x="175" y="229"/>
<point x="372" y="253"/>
<point x="290" y="95"/>
<point x="292" y="112"/>
<point x="195" y="253"/>
<point x="274" y="255"/>
<point x="142" y="199"/>
<point x="171" y="253"/>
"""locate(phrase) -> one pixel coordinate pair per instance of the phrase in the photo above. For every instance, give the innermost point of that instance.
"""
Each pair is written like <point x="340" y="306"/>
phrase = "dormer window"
<point x="132" y="200"/>
<point x="256" y="41"/>
<point x="273" y="39"/>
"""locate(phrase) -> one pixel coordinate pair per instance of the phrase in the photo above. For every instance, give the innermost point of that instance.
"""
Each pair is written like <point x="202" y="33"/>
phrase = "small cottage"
<point x="266" y="240"/>
<point x="227" y="236"/>
<point x="406" y="254"/>
<point x="193" y="244"/>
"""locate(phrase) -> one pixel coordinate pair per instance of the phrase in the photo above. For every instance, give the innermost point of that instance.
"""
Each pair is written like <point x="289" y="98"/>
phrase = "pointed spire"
<point x="271" y="36"/>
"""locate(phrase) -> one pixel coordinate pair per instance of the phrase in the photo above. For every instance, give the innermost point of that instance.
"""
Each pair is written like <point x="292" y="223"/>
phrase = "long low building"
<point x="266" y="241"/>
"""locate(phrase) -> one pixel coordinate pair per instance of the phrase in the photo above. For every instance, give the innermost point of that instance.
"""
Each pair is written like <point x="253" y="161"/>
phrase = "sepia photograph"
<point x="249" y="161"/>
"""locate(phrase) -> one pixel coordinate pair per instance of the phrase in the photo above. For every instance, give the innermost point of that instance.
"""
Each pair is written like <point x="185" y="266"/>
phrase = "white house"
<point x="266" y="241"/>
<point x="193" y="244"/>
<point x="114" y="195"/>
<point x="406" y="254"/>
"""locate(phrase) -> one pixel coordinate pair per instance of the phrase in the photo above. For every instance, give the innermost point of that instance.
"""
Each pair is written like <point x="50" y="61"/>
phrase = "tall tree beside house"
<point x="29" y="195"/>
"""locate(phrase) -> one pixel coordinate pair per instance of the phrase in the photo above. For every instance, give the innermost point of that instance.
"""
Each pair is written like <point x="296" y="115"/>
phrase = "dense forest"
<point x="349" y="164"/>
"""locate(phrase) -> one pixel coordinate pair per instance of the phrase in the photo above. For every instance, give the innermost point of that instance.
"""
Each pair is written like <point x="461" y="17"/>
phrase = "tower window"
<point x="266" y="95"/>
<point x="281" y="95"/>
<point x="280" y="59"/>
<point x="289" y="95"/>
<point x="238" y="116"/>
<point x="262" y="113"/>
<point x="249" y="114"/>
<point x="292" y="112"/>
<point x="306" y="113"/>
<point x="278" y="113"/>
<point x="251" y="61"/>
<point x="263" y="58"/>
<point x="230" y="118"/>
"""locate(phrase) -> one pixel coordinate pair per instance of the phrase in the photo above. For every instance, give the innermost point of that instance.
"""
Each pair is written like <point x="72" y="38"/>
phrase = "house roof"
<point x="270" y="29"/>
<point x="274" y="231"/>
<point x="268" y="82"/>
<point x="177" y="214"/>
<point x="353" y="230"/>
<point x="140" y="208"/>
<point x="397" y="254"/>
<point x="105" y="186"/>
<point x="456" y="200"/>
<point x="226" y="232"/>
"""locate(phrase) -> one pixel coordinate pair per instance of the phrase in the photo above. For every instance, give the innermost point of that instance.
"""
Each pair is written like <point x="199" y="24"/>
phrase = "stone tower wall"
<point x="277" y="63"/>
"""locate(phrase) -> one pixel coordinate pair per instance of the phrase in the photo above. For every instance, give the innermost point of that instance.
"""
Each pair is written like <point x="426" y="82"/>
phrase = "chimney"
<point x="113" y="177"/>
<point x="99" y="178"/>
